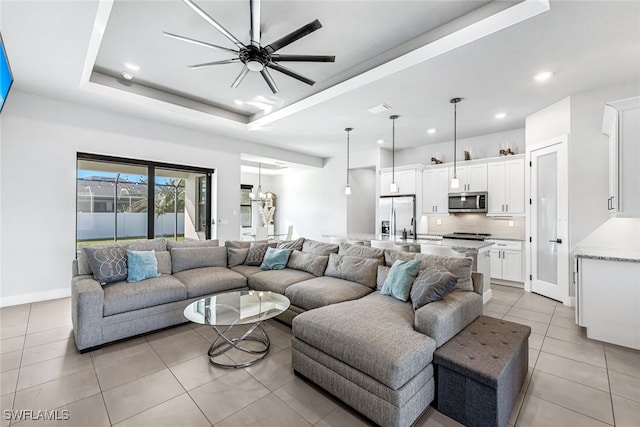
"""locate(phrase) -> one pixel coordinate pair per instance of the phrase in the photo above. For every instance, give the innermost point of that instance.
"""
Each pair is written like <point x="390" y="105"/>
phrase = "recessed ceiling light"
<point x="127" y="76"/>
<point x="378" y="108"/>
<point x="132" y="67"/>
<point x="500" y="115"/>
<point x="380" y="141"/>
<point x="543" y="76"/>
<point x="431" y="131"/>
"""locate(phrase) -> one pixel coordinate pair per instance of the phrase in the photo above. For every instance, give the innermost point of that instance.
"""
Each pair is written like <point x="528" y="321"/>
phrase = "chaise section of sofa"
<point x="375" y="353"/>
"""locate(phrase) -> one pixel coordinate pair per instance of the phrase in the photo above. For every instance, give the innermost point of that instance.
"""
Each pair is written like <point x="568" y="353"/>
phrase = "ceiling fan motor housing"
<point x="256" y="59"/>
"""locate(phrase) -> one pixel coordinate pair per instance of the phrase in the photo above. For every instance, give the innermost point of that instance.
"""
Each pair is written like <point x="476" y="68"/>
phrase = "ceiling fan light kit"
<point x="255" y="57"/>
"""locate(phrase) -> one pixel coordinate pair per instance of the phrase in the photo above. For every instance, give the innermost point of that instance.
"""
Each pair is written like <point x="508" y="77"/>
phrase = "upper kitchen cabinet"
<point x="405" y="179"/>
<point x="472" y="178"/>
<point x="506" y="186"/>
<point x="435" y="185"/>
<point x="621" y="123"/>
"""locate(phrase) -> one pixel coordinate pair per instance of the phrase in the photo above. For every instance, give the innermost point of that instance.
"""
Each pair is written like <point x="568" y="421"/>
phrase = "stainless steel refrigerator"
<point x="397" y="213"/>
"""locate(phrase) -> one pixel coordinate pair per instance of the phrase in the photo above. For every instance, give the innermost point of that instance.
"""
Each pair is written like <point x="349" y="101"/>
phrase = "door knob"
<point x="556" y="241"/>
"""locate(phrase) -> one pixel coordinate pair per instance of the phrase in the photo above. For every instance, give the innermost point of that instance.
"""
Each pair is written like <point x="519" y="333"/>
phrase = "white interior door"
<point x="549" y="222"/>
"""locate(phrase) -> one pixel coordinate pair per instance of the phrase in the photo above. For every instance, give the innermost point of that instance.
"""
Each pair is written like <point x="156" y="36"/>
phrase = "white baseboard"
<point x="487" y="296"/>
<point x="572" y="302"/>
<point x="35" y="297"/>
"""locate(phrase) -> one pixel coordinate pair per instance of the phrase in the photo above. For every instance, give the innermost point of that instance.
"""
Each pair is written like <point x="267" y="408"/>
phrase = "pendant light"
<point x="261" y="195"/>
<point x="393" y="188"/>
<point x="347" y="189"/>
<point x="455" y="182"/>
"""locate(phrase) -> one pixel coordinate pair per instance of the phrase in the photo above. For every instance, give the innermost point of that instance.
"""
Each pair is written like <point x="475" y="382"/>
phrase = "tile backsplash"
<point x="476" y="223"/>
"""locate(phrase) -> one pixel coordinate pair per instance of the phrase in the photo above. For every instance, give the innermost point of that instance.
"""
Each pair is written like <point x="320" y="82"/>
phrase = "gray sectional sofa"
<point x="372" y="351"/>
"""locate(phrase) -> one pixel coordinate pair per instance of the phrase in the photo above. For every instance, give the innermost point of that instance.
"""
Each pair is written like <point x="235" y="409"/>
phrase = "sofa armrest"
<point x="87" y="302"/>
<point x="478" y="282"/>
<point x="442" y="320"/>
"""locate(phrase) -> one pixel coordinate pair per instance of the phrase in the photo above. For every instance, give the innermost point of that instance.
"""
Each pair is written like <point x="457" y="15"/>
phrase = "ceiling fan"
<point x="254" y="56"/>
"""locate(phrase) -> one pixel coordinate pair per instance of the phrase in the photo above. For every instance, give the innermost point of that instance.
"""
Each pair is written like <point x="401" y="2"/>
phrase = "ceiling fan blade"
<point x="198" y="42"/>
<point x="293" y="36"/>
<point x="290" y="73"/>
<point x="240" y="77"/>
<point x="208" y="64"/>
<point x="254" y="5"/>
<point x="267" y="78"/>
<point x="213" y="22"/>
<point x="302" y="58"/>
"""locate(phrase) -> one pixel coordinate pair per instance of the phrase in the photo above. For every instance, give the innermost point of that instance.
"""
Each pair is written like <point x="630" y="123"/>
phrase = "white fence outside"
<point x="95" y="226"/>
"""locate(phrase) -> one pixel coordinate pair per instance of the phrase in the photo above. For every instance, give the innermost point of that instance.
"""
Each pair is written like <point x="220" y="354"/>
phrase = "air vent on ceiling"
<point x="379" y="108"/>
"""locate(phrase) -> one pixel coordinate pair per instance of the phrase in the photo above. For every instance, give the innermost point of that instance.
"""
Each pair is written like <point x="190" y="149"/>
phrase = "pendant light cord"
<point x="393" y="148"/>
<point x="455" y="137"/>
<point x="348" y="131"/>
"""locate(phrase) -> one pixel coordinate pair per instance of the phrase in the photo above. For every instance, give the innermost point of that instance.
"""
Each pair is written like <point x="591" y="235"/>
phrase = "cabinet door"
<point x="512" y="265"/>
<point x="514" y="186"/>
<point x="496" y="264"/>
<point x="428" y="191"/>
<point x="628" y="171"/>
<point x="385" y="183"/>
<point x="476" y="177"/>
<point x="441" y="186"/>
<point x="406" y="181"/>
<point x="495" y="188"/>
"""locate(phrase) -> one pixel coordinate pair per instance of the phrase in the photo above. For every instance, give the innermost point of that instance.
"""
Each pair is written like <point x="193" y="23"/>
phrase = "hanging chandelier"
<point x="260" y="194"/>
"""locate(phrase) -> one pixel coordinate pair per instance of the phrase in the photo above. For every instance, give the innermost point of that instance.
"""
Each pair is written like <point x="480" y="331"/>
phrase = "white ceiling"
<point x="587" y="44"/>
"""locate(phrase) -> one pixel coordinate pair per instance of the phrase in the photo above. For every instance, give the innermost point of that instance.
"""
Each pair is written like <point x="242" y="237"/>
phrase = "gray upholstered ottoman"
<point x="480" y="371"/>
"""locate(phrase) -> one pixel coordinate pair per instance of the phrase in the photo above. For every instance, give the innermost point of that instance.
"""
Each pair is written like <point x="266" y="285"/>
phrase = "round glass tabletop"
<point x="236" y="308"/>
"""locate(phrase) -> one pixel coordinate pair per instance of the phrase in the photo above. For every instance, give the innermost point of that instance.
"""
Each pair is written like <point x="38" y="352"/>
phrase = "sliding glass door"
<point x="113" y="200"/>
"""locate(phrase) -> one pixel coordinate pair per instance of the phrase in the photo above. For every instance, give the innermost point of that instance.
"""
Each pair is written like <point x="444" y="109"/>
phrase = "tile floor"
<point x="164" y="378"/>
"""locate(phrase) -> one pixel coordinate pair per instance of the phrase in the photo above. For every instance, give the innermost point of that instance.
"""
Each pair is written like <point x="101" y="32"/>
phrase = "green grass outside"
<point x="80" y="243"/>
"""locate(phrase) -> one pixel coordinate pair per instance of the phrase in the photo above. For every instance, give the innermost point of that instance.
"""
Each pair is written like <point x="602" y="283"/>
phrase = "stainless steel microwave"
<point x="468" y="202"/>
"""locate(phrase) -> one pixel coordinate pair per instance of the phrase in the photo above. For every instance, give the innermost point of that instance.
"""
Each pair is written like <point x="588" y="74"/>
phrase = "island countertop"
<point x="467" y="245"/>
<point x="608" y="254"/>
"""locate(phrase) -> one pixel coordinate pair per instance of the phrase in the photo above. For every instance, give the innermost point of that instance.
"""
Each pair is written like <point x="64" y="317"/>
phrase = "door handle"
<point x="556" y="241"/>
<point x="609" y="203"/>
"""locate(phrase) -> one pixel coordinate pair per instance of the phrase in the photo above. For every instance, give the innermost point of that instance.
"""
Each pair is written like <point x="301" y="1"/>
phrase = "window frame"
<point x="151" y="176"/>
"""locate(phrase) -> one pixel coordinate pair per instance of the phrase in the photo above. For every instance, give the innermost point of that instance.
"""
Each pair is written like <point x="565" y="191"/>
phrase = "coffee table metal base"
<point x="223" y="344"/>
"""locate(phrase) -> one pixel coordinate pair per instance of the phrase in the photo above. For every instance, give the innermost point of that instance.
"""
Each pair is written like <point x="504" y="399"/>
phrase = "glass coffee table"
<point x="226" y="310"/>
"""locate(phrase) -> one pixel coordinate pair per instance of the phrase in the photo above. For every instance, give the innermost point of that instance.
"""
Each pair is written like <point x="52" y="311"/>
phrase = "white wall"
<point x="313" y="201"/>
<point x="40" y="138"/>
<point x="361" y="204"/>
<point x="589" y="158"/>
<point x="550" y="122"/>
<point x="482" y="147"/>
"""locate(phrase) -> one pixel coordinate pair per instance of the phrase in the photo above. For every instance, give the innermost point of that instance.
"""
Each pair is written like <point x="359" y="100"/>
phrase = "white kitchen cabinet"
<point x="608" y="300"/>
<point x="405" y="179"/>
<point x="621" y="123"/>
<point x="506" y="187"/>
<point x="507" y="260"/>
<point x="435" y="184"/>
<point x="472" y="178"/>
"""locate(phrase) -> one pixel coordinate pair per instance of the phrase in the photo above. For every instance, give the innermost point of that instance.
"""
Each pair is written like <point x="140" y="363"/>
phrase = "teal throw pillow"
<point x="275" y="259"/>
<point x="400" y="278"/>
<point x="142" y="265"/>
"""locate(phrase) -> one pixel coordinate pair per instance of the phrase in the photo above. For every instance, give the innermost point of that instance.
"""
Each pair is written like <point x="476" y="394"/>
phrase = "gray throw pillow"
<point x="83" y="263"/>
<point x="108" y="264"/>
<point x="311" y="263"/>
<point x="361" y="251"/>
<point x="432" y="285"/>
<point x="236" y="256"/>
<point x="354" y="269"/>
<point x="164" y="262"/>
<point x="383" y="272"/>
<point x="319" y="248"/>
<point x="237" y="244"/>
<point x="295" y="245"/>
<point x="391" y="256"/>
<point x="461" y="267"/>
<point x="256" y="253"/>
<point x="188" y="258"/>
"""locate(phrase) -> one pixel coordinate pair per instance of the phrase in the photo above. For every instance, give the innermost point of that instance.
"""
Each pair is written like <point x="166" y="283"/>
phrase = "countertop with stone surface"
<point x="608" y="254"/>
<point x="467" y="245"/>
